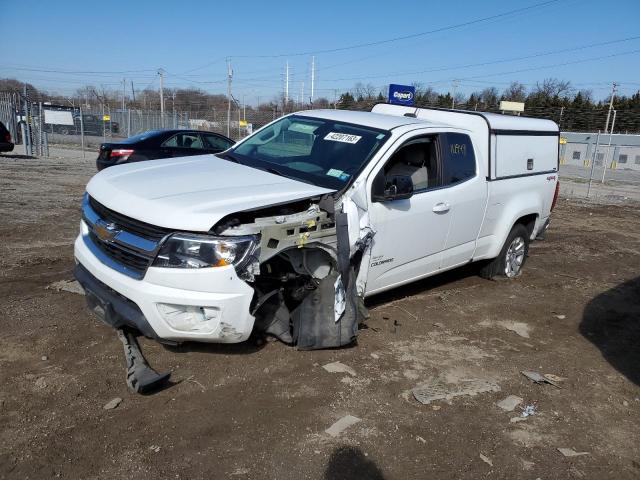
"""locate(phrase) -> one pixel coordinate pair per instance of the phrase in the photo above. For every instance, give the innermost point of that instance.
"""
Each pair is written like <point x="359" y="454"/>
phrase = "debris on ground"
<point x="554" y="378"/>
<point x="375" y="356"/>
<point x="436" y="389"/>
<point x="339" y="367"/>
<point x="341" y="425"/>
<point x="528" y="410"/>
<point x="44" y="358"/>
<point x="154" y="448"/>
<point x="538" y="378"/>
<point x="113" y="403"/>
<point x="510" y="403"/>
<point x="517" y="419"/>
<point x="71" y="286"/>
<point x="570" y="452"/>
<point x="560" y="317"/>
<point x="520" y="328"/>
<point x="486" y="460"/>
<point x="420" y="439"/>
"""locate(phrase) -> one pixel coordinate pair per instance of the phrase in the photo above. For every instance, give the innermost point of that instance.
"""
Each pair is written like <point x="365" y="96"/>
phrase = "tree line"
<point x="558" y="100"/>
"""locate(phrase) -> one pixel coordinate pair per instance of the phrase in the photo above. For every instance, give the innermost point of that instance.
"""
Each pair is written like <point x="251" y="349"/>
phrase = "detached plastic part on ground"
<point x="141" y="378"/>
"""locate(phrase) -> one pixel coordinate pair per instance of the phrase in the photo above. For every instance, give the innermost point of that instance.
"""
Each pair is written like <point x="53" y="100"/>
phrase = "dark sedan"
<point x="6" y="145"/>
<point x="156" y="144"/>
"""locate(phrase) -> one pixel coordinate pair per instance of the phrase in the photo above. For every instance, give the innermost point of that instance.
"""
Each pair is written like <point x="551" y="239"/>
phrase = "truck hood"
<point x="192" y="193"/>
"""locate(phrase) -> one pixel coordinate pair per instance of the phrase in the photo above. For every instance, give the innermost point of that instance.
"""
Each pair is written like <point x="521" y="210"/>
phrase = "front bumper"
<point x="138" y="303"/>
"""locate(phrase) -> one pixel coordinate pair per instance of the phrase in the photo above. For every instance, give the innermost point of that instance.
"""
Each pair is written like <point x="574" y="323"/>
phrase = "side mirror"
<point x="396" y="187"/>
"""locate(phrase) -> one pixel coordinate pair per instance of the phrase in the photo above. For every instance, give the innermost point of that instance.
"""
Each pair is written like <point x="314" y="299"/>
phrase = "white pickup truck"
<point x="289" y="230"/>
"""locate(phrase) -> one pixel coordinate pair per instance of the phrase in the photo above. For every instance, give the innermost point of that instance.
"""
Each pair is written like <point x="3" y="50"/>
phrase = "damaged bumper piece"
<point x="168" y="305"/>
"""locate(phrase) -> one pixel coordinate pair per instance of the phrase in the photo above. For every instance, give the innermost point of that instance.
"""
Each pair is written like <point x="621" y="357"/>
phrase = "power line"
<point x="494" y="62"/>
<point x="75" y="72"/>
<point x="406" y="37"/>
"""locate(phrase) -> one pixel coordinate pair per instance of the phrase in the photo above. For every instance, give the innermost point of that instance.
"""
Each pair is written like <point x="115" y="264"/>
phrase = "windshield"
<point x="314" y="150"/>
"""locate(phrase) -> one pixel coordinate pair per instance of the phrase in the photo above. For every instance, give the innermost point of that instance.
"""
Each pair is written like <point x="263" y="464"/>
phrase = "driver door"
<point x="411" y="233"/>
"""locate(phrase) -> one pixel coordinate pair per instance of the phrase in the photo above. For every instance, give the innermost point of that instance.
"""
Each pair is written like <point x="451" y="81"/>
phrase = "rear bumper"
<point x="221" y="301"/>
<point x="6" y="147"/>
<point x="102" y="164"/>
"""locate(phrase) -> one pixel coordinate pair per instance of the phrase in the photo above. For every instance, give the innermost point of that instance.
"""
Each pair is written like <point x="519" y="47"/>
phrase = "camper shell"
<point x="505" y="141"/>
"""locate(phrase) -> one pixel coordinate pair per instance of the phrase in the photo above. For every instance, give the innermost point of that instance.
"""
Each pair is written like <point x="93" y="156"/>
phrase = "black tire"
<point x="497" y="268"/>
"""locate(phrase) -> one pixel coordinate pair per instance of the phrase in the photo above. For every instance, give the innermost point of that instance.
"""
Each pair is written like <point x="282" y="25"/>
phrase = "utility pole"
<point x="161" y="73"/>
<point x="133" y="92"/>
<point x="286" y="85"/>
<point x="613" y="94"/>
<point x="604" y="162"/>
<point x="453" y="99"/>
<point x="313" y="79"/>
<point x="302" y="94"/>
<point x="229" y="77"/>
<point x="124" y="93"/>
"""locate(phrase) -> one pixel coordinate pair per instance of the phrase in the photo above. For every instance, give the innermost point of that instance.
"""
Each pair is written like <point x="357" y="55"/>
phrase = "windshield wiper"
<point x="290" y="177"/>
<point x="229" y="156"/>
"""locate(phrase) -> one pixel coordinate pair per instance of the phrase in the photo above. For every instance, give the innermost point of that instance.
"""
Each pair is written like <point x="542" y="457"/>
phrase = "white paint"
<point x="191" y="193"/>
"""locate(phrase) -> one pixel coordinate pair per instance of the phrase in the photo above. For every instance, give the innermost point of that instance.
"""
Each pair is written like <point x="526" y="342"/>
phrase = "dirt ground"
<point x="247" y="411"/>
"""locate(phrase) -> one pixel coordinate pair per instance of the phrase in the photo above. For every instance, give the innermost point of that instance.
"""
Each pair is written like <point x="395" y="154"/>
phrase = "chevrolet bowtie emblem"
<point x="105" y="231"/>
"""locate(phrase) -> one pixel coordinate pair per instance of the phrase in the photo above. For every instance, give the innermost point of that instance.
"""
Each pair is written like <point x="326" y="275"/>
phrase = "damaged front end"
<point x="305" y="274"/>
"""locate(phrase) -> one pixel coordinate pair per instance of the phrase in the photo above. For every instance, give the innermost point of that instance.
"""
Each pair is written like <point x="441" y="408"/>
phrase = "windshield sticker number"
<point x="342" y="137"/>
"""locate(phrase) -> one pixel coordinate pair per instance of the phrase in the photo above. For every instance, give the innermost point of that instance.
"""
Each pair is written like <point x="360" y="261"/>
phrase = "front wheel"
<point x="509" y="263"/>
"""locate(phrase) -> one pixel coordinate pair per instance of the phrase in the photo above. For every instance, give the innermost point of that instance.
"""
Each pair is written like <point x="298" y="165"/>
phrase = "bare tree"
<point x="489" y="96"/>
<point x="516" y="92"/>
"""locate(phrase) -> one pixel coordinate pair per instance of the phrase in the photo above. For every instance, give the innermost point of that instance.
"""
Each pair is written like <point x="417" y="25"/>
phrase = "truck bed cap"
<point x="496" y="122"/>
<point x="368" y="119"/>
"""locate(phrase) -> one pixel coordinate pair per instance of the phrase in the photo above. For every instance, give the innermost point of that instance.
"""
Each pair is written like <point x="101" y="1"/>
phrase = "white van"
<point x="289" y="230"/>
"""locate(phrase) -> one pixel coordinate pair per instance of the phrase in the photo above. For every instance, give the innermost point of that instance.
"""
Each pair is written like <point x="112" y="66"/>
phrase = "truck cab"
<point x="288" y="231"/>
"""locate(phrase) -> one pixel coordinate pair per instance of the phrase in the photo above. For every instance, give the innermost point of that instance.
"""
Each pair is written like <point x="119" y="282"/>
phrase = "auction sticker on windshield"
<point x="342" y="137"/>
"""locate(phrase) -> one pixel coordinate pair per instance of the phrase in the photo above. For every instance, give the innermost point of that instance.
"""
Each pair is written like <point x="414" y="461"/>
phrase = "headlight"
<point x="201" y="251"/>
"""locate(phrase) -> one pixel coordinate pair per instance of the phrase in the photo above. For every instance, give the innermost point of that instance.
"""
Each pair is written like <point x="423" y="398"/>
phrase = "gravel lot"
<point x="247" y="411"/>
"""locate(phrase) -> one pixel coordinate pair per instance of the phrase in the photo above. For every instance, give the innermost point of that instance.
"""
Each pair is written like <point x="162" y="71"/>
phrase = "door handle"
<point x="441" y="207"/>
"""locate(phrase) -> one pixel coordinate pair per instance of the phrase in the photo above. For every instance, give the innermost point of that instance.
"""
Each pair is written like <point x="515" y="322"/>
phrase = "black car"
<point x="156" y="144"/>
<point x="6" y="145"/>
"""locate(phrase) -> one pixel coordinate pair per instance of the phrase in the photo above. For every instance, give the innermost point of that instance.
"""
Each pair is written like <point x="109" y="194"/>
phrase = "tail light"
<point x="7" y="137"/>
<point x="120" y="154"/>
<point x="555" y="195"/>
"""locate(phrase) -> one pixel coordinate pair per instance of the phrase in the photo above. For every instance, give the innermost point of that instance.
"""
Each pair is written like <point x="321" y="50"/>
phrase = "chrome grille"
<point x="135" y="262"/>
<point x="122" y="243"/>
<point x="142" y="229"/>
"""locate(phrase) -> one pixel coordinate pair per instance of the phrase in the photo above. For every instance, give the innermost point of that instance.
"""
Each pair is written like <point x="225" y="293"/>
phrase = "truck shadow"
<point x="349" y="463"/>
<point x="245" y="348"/>
<point x="611" y="321"/>
<point x="422" y="286"/>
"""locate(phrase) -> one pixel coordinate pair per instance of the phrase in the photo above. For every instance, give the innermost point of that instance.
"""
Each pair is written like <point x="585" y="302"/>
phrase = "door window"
<point x="184" y="140"/>
<point x="215" y="141"/>
<point x="417" y="159"/>
<point x="459" y="161"/>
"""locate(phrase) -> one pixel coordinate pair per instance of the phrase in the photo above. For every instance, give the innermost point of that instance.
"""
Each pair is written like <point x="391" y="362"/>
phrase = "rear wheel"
<point x="509" y="263"/>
